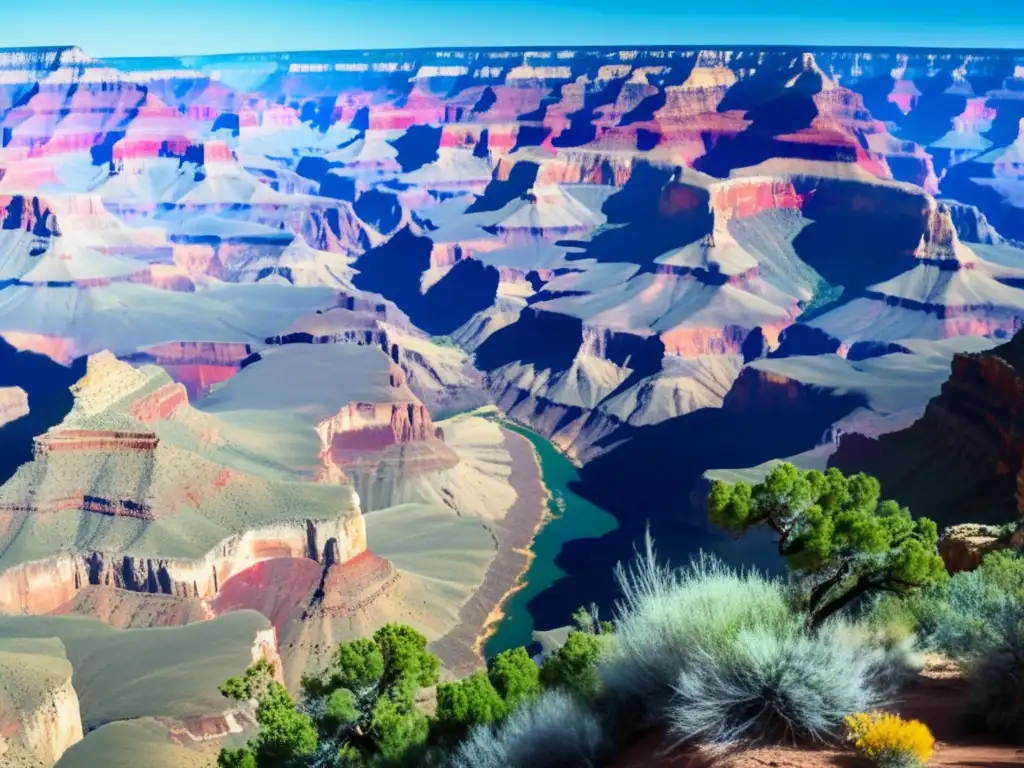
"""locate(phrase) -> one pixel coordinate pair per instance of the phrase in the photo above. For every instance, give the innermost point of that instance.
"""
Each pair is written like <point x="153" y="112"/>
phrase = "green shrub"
<point x="574" y="665"/>
<point x="236" y="758"/>
<point x="996" y="699"/>
<point x="553" y="731"/>
<point x="514" y="676"/>
<point x="468" y="702"/>
<point x="360" y="712"/>
<point x="665" y="613"/>
<point x="958" y="616"/>
<point x="775" y="683"/>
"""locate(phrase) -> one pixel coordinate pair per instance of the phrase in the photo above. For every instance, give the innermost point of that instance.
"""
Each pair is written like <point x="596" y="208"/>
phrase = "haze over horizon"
<point x="118" y="28"/>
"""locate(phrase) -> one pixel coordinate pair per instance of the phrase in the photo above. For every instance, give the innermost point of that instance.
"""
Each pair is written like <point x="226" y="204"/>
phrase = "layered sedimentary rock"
<point x="965" y="457"/>
<point x="39" y="709"/>
<point x="107" y="460"/>
<point x="107" y="664"/>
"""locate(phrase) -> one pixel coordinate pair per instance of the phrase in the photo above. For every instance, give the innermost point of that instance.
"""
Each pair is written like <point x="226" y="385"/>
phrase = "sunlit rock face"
<point x="131" y="453"/>
<point x="39" y="709"/>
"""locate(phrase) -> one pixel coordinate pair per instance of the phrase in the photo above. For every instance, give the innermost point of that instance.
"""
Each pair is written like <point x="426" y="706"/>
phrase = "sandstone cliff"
<point x="39" y="709"/>
<point x="963" y="461"/>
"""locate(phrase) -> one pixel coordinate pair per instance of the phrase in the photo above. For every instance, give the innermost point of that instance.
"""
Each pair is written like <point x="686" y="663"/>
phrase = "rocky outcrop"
<point x="41" y="586"/>
<point x="971" y="224"/>
<point x="13" y="404"/>
<point x="940" y="244"/>
<point x="964" y="458"/>
<point x="373" y="426"/>
<point x="94" y="440"/>
<point x="963" y="547"/>
<point x="196" y="353"/>
<point x="161" y="404"/>
<point x="29" y="214"/>
<point x="366" y="437"/>
<point x="39" y="712"/>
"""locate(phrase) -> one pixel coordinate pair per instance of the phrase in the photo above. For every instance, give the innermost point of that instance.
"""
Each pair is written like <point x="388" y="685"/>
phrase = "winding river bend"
<point x="570" y="517"/>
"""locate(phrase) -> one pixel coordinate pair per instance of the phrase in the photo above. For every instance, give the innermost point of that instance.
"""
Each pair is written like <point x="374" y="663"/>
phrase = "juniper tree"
<point x="835" y="533"/>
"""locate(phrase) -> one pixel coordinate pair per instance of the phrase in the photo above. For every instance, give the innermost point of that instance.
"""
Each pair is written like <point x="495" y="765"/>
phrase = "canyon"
<point x="265" y="318"/>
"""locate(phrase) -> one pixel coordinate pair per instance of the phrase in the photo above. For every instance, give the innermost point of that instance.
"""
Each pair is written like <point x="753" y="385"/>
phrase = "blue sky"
<point x="162" y="27"/>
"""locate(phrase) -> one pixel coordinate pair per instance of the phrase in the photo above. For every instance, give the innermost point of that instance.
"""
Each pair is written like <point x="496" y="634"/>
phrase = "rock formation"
<point x="39" y="709"/>
<point x="13" y="404"/>
<point x="964" y="459"/>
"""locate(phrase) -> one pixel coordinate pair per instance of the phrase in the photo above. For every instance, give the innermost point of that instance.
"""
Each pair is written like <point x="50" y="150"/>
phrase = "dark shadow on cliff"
<point x="545" y="340"/>
<point x="394" y="270"/>
<point x="581" y="128"/>
<point x="49" y="400"/>
<point x="653" y="475"/>
<point x="861" y="234"/>
<point x="381" y="210"/>
<point x="655" y="214"/>
<point x="500" y="193"/>
<point x="958" y="463"/>
<point x="417" y="146"/>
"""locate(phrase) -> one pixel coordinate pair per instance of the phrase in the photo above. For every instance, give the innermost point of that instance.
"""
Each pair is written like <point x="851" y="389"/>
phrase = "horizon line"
<point x="600" y="47"/>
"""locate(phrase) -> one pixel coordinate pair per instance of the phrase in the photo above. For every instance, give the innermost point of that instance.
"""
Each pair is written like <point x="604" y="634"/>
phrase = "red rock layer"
<point x="100" y="506"/>
<point x="160" y="405"/>
<point x="198" y="353"/>
<point x="73" y="440"/>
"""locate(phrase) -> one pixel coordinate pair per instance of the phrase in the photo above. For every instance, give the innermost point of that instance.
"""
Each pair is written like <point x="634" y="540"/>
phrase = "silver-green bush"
<point x="996" y="697"/>
<point x="554" y="730"/>
<point x="666" y="613"/>
<point x="775" y="684"/>
<point x="722" y="657"/>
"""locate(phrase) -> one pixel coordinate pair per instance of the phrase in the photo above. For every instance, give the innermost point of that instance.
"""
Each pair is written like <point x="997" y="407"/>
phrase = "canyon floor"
<point x="251" y="307"/>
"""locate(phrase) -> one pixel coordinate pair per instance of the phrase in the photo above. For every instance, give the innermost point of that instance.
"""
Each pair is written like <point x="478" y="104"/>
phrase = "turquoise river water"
<point x="570" y="517"/>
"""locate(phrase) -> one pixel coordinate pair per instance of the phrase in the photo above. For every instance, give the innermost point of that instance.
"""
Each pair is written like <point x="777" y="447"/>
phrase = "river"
<point x="570" y="517"/>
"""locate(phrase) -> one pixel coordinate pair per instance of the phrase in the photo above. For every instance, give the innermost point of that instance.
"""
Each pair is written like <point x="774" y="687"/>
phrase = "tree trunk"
<point x="861" y="588"/>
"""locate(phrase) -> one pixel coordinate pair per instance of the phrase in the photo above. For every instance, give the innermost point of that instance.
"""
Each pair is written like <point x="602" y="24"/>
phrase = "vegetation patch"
<point x="889" y="741"/>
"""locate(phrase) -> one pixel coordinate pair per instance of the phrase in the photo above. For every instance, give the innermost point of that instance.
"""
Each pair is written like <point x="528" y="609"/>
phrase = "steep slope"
<point x="964" y="453"/>
<point x="39" y="708"/>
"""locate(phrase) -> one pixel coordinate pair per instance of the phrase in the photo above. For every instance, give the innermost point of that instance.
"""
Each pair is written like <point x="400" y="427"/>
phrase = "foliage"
<point x="1004" y="571"/>
<point x="723" y="657"/>
<point x="834" y="531"/>
<point x="996" y="699"/>
<point x="958" y="616"/>
<point x="467" y="702"/>
<point x="514" y="676"/>
<point x="774" y="683"/>
<point x="574" y="665"/>
<point x="253" y="684"/>
<point x="284" y="731"/>
<point x="362" y="711"/>
<point x="889" y="741"/>
<point x="666" y="612"/>
<point x="512" y="679"/>
<point x="236" y="758"/>
<point x="552" y="731"/>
